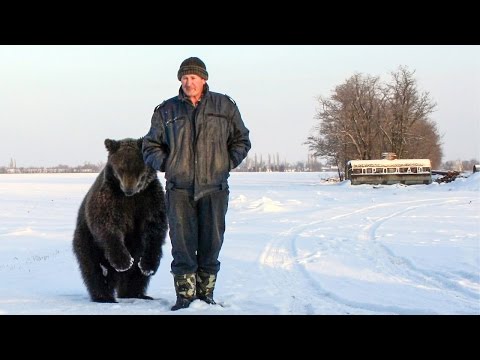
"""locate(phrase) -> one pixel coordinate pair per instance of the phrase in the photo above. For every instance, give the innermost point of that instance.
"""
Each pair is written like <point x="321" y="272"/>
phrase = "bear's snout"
<point x="130" y="186"/>
<point x="129" y="192"/>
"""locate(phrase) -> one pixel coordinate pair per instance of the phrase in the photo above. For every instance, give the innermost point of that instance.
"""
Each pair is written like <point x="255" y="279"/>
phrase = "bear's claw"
<point x="120" y="269"/>
<point x="144" y="271"/>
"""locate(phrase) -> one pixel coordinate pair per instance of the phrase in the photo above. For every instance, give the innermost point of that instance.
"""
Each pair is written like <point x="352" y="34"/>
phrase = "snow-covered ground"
<point x="294" y="245"/>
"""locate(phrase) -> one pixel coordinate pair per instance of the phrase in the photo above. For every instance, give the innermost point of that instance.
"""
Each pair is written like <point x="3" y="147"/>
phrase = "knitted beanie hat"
<point x="193" y="65"/>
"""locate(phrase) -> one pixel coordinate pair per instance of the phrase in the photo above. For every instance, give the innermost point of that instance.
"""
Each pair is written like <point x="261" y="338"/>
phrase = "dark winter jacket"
<point x="196" y="147"/>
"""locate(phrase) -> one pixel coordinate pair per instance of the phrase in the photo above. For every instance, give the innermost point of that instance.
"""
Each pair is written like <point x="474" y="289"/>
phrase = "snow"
<point x="294" y="244"/>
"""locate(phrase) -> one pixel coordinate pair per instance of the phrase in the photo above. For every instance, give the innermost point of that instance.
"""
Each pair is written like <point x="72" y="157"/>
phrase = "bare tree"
<point x="328" y="139"/>
<point x="405" y="106"/>
<point x="364" y="118"/>
<point x="423" y="142"/>
<point x="361" y="113"/>
<point x="349" y="124"/>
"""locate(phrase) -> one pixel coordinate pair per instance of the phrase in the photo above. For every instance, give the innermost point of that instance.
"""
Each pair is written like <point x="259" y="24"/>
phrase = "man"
<point x="196" y="138"/>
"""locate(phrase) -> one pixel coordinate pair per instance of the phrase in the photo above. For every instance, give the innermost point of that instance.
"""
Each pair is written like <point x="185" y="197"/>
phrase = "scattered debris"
<point x="330" y="180"/>
<point x="448" y="176"/>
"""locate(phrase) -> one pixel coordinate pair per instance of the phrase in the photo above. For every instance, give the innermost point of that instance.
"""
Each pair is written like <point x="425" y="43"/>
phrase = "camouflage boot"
<point x="185" y="287"/>
<point x="205" y="287"/>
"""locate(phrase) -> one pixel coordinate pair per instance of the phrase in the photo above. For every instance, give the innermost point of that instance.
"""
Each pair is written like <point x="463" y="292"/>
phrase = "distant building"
<point x="389" y="170"/>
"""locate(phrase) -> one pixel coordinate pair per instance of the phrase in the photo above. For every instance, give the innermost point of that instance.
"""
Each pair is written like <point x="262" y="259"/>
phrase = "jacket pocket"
<point x="217" y="115"/>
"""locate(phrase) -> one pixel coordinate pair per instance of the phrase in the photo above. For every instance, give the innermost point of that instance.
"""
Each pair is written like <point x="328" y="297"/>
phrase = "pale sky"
<point x="59" y="103"/>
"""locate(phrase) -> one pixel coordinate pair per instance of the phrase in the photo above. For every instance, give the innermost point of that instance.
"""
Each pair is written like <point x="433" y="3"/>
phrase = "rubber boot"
<point x="185" y="287"/>
<point x="205" y="286"/>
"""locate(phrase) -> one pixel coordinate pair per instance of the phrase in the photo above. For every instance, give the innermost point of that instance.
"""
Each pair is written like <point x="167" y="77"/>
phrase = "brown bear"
<point x="121" y="226"/>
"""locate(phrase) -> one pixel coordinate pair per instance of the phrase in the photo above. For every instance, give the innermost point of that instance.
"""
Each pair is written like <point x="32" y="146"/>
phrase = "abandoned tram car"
<point x="385" y="171"/>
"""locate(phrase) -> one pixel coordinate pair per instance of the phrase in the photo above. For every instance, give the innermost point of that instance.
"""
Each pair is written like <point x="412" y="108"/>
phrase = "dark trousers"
<point x="196" y="230"/>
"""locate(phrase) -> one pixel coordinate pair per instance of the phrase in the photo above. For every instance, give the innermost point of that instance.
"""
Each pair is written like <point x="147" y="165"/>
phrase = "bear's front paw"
<point x="145" y="268"/>
<point x="122" y="264"/>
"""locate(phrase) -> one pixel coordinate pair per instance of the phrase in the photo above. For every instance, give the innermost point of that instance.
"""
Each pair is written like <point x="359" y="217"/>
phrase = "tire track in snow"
<point x="447" y="283"/>
<point x="282" y="267"/>
<point x="280" y="264"/>
<point x="279" y="267"/>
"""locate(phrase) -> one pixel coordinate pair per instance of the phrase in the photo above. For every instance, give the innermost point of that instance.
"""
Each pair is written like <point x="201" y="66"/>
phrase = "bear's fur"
<point x="121" y="226"/>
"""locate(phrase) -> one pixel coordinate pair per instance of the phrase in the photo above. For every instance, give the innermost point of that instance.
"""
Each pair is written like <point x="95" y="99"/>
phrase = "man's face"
<point x="192" y="85"/>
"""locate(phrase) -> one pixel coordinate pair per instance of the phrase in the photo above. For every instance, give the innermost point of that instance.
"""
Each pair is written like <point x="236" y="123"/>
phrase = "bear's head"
<point x="125" y="165"/>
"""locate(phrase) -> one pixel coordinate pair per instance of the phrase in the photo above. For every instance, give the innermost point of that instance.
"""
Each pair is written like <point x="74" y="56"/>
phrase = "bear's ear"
<point x="140" y="143"/>
<point x="111" y="145"/>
